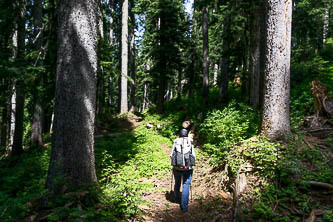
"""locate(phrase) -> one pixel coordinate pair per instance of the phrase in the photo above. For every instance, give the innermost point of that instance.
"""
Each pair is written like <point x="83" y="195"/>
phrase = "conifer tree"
<point x="275" y="122"/>
<point x="72" y="155"/>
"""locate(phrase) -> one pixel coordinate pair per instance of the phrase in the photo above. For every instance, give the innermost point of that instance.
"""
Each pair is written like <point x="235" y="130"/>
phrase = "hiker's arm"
<point x="173" y="148"/>
<point x="192" y="147"/>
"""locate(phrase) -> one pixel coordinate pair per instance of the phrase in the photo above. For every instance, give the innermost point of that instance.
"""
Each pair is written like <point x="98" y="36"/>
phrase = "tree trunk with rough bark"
<point x="17" y="147"/>
<point x="37" y="119"/>
<point x="100" y="98"/>
<point x="72" y="156"/>
<point x="223" y="89"/>
<point x="205" y="84"/>
<point x="326" y="21"/>
<point x="37" y="123"/>
<point x="12" y="111"/>
<point x="18" y="126"/>
<point x="254" y="62"/>
<point x="124" y="58"/>
<point x="132" y="60"/>
<point x="275" y="122"/>
<point x="4" y="123"/>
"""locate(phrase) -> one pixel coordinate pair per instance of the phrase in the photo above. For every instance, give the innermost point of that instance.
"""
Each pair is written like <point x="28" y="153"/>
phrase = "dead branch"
<point x="319" y="184"/>
<point x="108" y="135"/>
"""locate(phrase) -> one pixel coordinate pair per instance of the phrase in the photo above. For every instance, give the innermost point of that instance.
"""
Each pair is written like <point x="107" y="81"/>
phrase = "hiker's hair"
<point x="183" y="133"/>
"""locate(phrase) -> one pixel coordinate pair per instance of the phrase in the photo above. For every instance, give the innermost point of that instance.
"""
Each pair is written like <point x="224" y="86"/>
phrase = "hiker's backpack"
<point x="182" y="156"/>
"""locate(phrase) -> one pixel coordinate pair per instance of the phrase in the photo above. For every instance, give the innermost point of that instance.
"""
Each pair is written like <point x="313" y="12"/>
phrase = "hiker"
<point x="183" y="160"/>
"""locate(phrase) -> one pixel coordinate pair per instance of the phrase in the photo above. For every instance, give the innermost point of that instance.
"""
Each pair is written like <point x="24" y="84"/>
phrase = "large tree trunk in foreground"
<point x="124" y="58"/>
<point x="275" y="118"/>
<point x="72" y="155"/>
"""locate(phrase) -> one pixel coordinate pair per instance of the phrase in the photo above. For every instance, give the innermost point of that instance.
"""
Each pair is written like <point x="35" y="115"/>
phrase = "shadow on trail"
<point x="210" y="209"/>
<point x="111" y="153"/>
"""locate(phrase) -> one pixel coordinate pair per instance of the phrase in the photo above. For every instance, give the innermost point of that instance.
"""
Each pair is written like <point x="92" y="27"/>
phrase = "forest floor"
<point x="209" y="201"/>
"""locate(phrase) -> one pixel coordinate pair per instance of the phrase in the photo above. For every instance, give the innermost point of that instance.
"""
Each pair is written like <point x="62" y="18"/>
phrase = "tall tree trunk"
<point x="132" y="60"/>
<point x="72" y="154"/>
<point x="100" y="98"/>
<point x="37" y="123"/>
<point x="111" y="23"/>
<point x="12" y="111"/>
<point x="326" y="20"/>
<point x="4" y="124"/>
<point x="205" y="84"/>
<point x="37" y="119"/>
<point x="257" y="57"/>
<point x="38" y="23"/>
<point x="192" y="70"/>
<point x="19" y="113"/>
<point x="145" y="96"/>
<point x="254" y="66"/>
<point x="275" y="122"/>
<point x="124" y="58"/>
<point x="262" y="62"/>
<point x="223" y="90"/>
<point x="110" y="91"/>
<point x="216" y="71"/>
<point x="179" y="83"/>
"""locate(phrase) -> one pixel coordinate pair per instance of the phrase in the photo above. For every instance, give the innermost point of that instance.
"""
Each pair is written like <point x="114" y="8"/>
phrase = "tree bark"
<point x="124" y="58"/>
<point x="223" y="90"/>
<point x="216" y="71"/>
<point x="4" y="124"/>
<point x="179" y="84"/>
<point x="72" y="156"/>
<point x="19" y="112"/>
<point x="132" y="60"/>
<point x="12" y="111"/>
<point x="18" y="126"/>
<point x="110" y="91"/>
<point x="100" y="98"/>
<point x="37" y="119"/>
<point x="36" y="126"/>
<point x="326" y="20"/>
<point x="254" y="65"/>
<point x="275" y="122"/>
<point x="205" y="85"/>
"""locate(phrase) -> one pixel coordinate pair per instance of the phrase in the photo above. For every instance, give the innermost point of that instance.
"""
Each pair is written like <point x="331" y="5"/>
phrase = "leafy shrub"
<point x="258" y="152"/>
<point x="227" y="127"/>
<point x="328" y="216"/>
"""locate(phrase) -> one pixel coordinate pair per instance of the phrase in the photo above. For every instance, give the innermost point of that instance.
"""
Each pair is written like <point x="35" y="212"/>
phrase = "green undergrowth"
<point x="124" y="165"/>
<point x="288" y="196"/>
<point x="22" y="183"/>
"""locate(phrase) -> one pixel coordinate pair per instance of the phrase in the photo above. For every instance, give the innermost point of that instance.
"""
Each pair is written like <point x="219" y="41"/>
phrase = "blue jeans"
<point x="187" y="178"/>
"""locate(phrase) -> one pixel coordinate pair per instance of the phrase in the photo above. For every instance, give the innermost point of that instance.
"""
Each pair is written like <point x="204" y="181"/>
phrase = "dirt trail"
<point x="206" y="204"/>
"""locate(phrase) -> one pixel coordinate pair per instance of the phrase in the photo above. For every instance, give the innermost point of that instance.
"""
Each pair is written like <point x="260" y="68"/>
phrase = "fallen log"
<point x="108" y="135"/>
<point x="319" y="184"/>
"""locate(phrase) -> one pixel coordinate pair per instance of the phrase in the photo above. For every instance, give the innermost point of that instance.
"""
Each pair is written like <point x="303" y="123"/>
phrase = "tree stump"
<point x="323" y="104"/>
